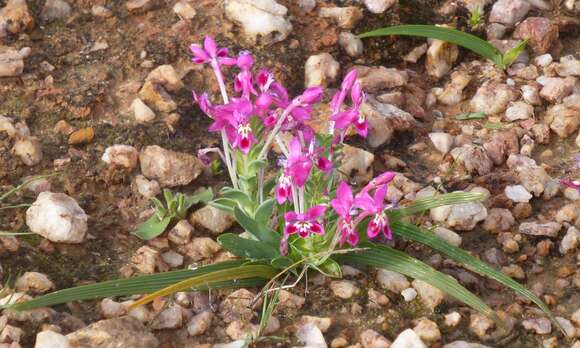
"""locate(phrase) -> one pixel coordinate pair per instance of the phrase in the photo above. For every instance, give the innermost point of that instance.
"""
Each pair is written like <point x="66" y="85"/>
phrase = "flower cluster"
<point x="262" y="113"/>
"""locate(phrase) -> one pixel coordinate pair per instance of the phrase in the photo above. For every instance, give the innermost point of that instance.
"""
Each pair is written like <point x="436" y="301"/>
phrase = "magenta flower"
<point x="210" y="52"/>
<point x="343" y="205"/>
<point x="315" y="153"/>
<point x="305" y="224"/>
<point x="351" y="116"/>
<point x="245" y="60"/>
<point x="571" y="183"/>
<point x="298" y="164"/>
<point x="375" y="207"/>
<point x="283" y="188"/>
<point x="233" y="117"/>
<point x="377" y="181"/>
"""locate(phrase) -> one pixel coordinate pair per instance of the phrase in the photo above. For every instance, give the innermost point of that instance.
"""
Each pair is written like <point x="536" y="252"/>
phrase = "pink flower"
<point x="375" y="207"/>
<point x="245" y="60"/>
<point x="352" y="116"/>
<point x="571" y="183"/>
<point x="233" y="117"/>
<point x="343" y="205"/>
<point x="382" y="179"/>
<point x="298" y="164"/>
<point x="315" y="153"/>
<point x="283" y="188"/>
<point x="210" y="52"/>
<point x="305" y="224"/>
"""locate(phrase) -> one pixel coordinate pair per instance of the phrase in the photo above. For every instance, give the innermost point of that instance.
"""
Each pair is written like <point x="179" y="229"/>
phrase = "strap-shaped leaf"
<point x="416" y="234"/>
<point x="232" y="274"/>
<point x="457" y="37"/>
<point x="236" y="195"/>
<point x="264" y="211"/>
<point x="260" y="231"/>
<point x="200" y="197"/>
<point x="136" y="286"/>
<point x="427" y="203"/>
<point x="247" y="248"/>
<point x="152" y="227"/>
<point x="383" y="256"/>
<point x="223" y="204"/>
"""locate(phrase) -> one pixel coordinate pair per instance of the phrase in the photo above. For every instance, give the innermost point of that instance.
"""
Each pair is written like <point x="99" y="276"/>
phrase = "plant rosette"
<point x="302" y="215"/>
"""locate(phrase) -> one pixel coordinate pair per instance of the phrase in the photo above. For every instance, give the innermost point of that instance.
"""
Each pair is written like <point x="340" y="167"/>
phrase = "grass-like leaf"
<point x="247" y="248"/>
<point x="382" y="256"/>
<point x="471" y="42"/>
<point x="231" y="274"/>
<point x="424" y="204"/>
<point x="470" y="116"/>
<point x="138" y="285"/>
<point x="513" y="53"/>
<point x="416" y="234"/>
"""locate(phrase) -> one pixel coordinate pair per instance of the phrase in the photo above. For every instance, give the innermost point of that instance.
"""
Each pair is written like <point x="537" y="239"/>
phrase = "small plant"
<point x="174" y="209"/>
<point x="306" y="217"/>
<point x="466" y="40"/>
<point x="476" y="18"/>
<point x="5" y="206"/>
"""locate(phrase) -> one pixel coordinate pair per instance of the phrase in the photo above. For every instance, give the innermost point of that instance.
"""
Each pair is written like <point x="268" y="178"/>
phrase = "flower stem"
<point x="226" y="145"/>
<point x="275" y="130"/>
<point x="301" y="199"/>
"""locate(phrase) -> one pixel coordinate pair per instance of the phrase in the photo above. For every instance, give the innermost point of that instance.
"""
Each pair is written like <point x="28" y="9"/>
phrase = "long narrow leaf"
<point x="457" y="37"/>
<point x="424" y="204"/>
<point x="382" y="256"/>
<point x="247" y="248"/>
<point x="259" y="230"/>
<point x="232" y="274"/>
<point x="136" y="286"/>
<point x="414" y="233"/>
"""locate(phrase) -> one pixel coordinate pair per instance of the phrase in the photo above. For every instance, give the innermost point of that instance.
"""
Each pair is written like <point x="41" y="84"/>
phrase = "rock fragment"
<point x="265" y="20"/>
<point x="540" y="32"/>
<point x="55" y="9"/>
<point x="117" y="332"/>
<point x="509" y="11"/>
<point x="58" y="218"/>
<point x="121" y="155"/>
<point x="15" y="17"/>
<point x="345" y="17"/>
<point x="320" y="70"/>
<point x="168" y="167"/>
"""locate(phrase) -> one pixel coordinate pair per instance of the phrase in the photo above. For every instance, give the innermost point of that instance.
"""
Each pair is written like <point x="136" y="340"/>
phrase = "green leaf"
<point x="255" y="165"/>
<point x="454" y="36"/>
<point x="269" y="185"/>
<point x="247" y="248"/>
<point x="494" y="125"/>
<point x="137" y="286"/>
<point x="237" y="196"/>
<point x="282" y="262"/>
<point x="260" y="231"/>
<point x="382" y="256"/>
<point x="14" y="234"/>
<point x="470" y="116"/>
<point x="160" y="209"/>
<point x="232" y="274"/>
<point x="264" y="211"/>
<point x="416" y="234"/>
<point x="152" y="227"/>
<point x="427" y="203"/>
<point x="513" y="53"/>
<point x="330" y="268"/>
<point x="223" y="204"/>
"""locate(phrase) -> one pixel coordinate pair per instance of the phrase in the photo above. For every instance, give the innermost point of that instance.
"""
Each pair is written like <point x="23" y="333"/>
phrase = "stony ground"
<point x="98" y="93"/>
